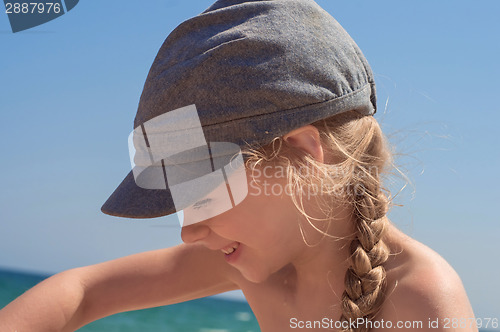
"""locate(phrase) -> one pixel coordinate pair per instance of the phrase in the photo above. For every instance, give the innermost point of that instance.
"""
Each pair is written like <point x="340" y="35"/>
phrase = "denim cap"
<point x="251" y="71"/>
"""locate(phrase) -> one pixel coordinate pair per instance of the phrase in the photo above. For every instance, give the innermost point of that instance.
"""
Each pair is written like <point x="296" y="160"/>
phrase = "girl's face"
<point x="266" y="231"/>
<point x="260" y="235"/>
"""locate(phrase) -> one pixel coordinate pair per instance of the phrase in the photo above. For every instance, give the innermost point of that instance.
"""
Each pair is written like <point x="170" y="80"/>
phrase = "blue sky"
<point x="69" y="91"/>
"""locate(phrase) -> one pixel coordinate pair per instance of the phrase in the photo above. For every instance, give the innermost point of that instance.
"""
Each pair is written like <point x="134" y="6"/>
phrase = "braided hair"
<point x="362" y="151"/>
<point x="359" y="155"/>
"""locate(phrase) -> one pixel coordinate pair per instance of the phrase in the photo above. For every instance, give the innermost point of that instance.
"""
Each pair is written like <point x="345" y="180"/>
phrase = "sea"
<point x="202" y="315"/>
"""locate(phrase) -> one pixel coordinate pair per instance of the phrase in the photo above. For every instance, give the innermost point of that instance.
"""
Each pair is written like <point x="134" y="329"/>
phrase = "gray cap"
<point x="255" y="71"/>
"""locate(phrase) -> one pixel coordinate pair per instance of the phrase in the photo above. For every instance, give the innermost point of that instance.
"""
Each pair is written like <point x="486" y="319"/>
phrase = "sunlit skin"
<point x="273" y="253"/>
<point x="267" y="221"/>
<point x="284" y="273"/>
<point x="283" y="269"/>
<point x="262" y="225"/>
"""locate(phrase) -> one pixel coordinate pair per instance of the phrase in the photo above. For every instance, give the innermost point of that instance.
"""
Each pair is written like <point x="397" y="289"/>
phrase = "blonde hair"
<point x="356" y="157"/>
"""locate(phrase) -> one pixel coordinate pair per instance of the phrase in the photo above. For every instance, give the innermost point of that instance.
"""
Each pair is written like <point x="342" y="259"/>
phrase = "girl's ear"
<point x="306" y="139"/>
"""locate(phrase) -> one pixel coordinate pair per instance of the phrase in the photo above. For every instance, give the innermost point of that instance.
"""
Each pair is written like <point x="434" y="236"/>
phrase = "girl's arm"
<point x="71" y="299"/>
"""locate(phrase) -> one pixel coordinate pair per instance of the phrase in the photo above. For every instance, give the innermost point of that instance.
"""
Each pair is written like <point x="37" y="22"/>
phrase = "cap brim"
<point x="132" y="201"/>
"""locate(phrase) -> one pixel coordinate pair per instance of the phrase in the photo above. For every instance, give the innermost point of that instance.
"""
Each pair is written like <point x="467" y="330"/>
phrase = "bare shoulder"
<point x="423" y="287"/>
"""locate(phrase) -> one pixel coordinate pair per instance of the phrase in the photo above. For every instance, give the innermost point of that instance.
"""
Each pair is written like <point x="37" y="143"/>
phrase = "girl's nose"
<point x="193" y="233"/>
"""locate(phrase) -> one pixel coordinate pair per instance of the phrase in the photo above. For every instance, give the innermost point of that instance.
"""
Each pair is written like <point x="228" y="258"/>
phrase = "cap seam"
<point x="290" y="110"/>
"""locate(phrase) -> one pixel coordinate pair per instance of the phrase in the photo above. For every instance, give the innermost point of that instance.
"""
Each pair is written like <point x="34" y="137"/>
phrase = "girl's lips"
<point x="227" y="250"/>
<point x="231" y="252"/>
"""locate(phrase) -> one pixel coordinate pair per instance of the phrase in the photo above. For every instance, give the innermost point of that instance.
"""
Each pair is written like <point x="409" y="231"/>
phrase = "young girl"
<point x="308" y="240"/>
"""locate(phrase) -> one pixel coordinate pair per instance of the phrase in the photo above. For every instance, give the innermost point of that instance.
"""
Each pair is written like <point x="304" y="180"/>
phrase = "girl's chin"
<point x="253" y="274"/>
<point x="254" y="271"/>
<point x="255" y="278"/>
